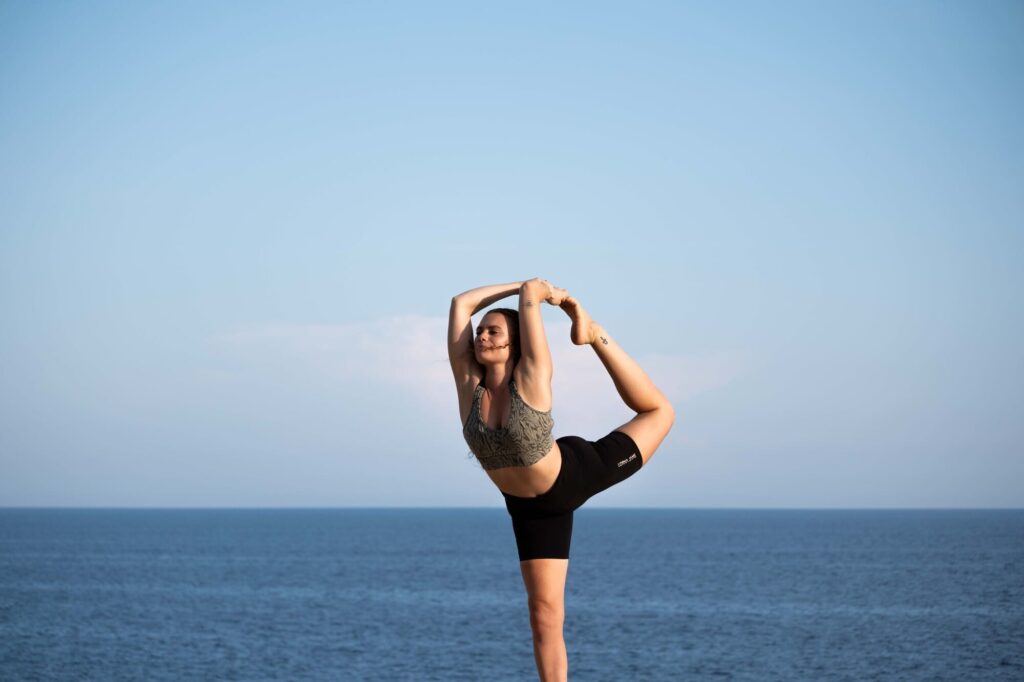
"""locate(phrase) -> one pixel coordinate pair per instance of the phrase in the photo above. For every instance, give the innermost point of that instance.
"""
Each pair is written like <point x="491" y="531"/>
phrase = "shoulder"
<point x="467" y="380"/>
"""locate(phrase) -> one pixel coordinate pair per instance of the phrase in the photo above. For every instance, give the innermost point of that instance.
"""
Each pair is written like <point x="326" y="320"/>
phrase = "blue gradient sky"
<point x="231" y="233"/>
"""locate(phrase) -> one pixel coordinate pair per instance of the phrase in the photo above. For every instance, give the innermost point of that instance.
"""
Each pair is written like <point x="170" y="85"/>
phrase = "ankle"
<point x="596" y="332"/>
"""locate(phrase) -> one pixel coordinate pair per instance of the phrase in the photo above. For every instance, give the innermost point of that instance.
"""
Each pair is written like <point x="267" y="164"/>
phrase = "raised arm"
<point x="481" y="297"/>
<point x="536" y="359"/>
<point x="464" y="306"/>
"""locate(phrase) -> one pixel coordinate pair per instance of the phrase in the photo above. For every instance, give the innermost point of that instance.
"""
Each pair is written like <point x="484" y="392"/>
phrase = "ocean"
<point x="436" y="594"/>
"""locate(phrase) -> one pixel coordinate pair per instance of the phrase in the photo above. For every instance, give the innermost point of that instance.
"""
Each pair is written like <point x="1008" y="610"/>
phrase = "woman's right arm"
<point x="481" y="297"/>
<point x="460" y="329"/>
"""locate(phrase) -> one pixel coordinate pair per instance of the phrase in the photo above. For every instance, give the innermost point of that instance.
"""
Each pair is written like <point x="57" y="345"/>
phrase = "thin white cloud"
<point x="408" y="352"/>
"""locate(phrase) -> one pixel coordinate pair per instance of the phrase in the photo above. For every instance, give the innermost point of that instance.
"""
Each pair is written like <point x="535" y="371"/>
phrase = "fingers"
<point x="558" y="296"/>
<point x="554" y="295"/>
<point x="542" y="282"/>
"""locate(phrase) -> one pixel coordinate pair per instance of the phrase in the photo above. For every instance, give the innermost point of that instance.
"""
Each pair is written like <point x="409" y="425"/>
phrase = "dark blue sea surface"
<point x="436" y="594"/>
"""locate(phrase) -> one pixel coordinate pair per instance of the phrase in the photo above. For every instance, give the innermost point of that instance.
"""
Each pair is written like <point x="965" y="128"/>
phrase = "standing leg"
<point x="545" y="589"/>
<point x="655" y="414"/>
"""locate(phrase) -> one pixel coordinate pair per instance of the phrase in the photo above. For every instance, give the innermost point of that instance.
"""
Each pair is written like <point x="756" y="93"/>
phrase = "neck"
<point x="498" y="375"/>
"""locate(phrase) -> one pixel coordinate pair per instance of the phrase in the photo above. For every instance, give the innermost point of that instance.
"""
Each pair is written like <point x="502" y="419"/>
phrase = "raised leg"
<point x="545" y="589"/>
<point x="655" y="414"/>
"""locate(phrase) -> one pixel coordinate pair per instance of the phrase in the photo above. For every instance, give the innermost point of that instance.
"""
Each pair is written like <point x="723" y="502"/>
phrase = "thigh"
<point x="607" y="461"/>
<point x="648" y="430"/>
<point x="543" y="537"/>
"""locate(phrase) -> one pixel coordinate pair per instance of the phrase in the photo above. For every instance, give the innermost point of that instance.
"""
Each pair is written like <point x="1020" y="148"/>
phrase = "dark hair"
<point x="512" y="320"/>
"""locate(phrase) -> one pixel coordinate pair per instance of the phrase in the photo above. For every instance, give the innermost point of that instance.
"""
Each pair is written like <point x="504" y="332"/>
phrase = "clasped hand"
<point x="552" y="294"/>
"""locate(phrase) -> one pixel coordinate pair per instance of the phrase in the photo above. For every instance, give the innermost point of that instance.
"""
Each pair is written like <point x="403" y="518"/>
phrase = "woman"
<point x="503" y="378"/>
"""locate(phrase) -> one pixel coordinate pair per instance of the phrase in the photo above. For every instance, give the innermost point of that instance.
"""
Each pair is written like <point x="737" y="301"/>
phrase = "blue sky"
<point x="231" y="233"/>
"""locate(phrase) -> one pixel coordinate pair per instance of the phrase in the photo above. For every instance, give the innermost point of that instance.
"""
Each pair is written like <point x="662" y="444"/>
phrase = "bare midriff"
<point x="530" y="481"/>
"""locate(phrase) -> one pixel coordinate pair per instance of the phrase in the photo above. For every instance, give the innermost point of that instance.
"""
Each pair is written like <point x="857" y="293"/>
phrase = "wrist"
<point x="534" y="289"/>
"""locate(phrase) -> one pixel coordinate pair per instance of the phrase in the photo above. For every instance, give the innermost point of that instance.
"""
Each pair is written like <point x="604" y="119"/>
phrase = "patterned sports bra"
<point x="525" y="440"/>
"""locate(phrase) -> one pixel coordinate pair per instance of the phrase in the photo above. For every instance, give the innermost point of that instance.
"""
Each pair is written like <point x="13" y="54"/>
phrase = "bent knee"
<point x="668" y="411"/>
<point x="648" y="429"/>
<point x="665" y="419"/>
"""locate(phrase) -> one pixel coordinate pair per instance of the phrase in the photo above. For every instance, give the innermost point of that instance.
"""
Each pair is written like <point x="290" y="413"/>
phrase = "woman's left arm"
<point x="536" y="357"/>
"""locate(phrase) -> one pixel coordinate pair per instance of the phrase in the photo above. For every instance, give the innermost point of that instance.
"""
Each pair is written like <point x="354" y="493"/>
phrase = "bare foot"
<point x="584" y="330"/>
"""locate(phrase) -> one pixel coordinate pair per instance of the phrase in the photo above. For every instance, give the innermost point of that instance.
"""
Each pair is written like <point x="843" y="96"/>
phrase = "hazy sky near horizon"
<point x="231" y="232"/>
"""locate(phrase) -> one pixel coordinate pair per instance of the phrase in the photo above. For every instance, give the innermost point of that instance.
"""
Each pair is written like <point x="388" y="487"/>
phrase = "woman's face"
<point x="492" y="342"/>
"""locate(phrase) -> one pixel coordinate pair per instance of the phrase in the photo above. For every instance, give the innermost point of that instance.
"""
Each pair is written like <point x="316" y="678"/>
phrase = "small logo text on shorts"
<point x="628" y="459"/>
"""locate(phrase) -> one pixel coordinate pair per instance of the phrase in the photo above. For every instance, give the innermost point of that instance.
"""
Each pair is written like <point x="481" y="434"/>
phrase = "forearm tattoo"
<point x="528" y="303"/>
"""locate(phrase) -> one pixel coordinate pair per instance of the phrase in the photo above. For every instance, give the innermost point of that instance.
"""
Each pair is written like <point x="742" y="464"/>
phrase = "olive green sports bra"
<point x="525" y="440"/>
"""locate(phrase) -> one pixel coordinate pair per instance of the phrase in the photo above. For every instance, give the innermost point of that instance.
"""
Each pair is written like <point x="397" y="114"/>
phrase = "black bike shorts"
<point x="543" y="524"/>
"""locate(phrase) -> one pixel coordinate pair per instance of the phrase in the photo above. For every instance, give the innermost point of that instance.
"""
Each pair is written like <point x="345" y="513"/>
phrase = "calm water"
<point x="437" y="595"/>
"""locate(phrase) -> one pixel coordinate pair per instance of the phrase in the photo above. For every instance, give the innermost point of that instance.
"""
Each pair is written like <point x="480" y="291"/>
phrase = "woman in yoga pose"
<point x="503" y="377"/>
